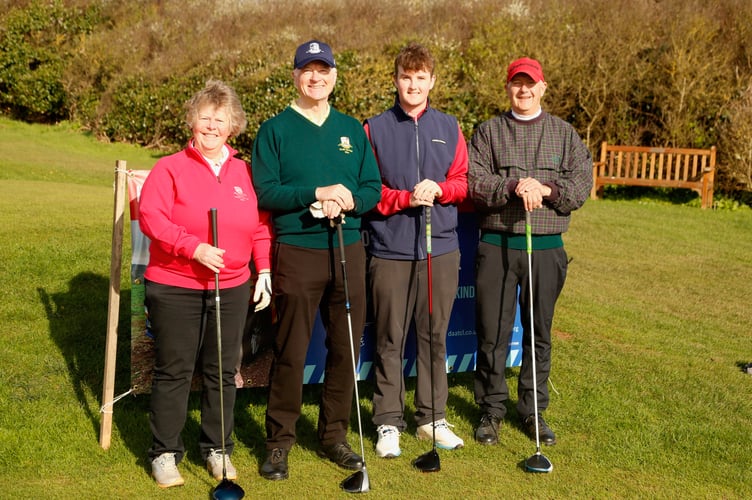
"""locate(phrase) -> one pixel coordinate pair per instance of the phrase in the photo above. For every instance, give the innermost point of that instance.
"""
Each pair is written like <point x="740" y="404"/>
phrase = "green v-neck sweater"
<point x="292" y="156"/>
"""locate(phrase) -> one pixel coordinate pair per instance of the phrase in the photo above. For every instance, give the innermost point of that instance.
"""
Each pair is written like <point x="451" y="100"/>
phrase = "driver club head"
<point x="227" y="490"/>
<point x="356" y="482"/>
<point x="428" y="462"/>
<point x="538" y="463"/>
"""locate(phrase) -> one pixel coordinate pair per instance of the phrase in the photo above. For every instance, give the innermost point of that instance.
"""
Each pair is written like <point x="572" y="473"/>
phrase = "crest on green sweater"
<point x="344" y="145"/>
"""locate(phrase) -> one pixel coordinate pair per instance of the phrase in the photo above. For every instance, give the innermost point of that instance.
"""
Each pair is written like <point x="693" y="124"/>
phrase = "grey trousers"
<point x="399" y="297"/>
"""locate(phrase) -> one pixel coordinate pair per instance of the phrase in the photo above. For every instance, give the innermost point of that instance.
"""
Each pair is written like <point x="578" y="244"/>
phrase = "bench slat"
<point x="656" y="167"/>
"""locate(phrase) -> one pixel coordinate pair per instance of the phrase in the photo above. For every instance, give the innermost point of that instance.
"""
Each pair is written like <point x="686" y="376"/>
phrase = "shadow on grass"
<point x="660" y="195"/>
<point x="250" y="411"/>
<point x="78" y="325"/>
<point x="745" y="367"/>
<point x="250" y="408"/>
<point x="677" y="196"/>
<point x="468" y="409"/>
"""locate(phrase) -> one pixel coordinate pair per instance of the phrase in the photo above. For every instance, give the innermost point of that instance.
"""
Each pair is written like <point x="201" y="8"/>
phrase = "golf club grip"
<point x="428" y="262"/>
<point x="215" y="242"/>
<point x="428" y="230"/>
<point x="528" y="233"/>
<point x="213" y="215"/>
<point x="341" y="240"/>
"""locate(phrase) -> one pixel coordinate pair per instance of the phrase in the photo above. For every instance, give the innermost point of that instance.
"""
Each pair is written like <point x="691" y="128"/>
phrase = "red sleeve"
<point x="155" y="208"/>
<point x="454" y="189"/>
<point x="392" y="200"/>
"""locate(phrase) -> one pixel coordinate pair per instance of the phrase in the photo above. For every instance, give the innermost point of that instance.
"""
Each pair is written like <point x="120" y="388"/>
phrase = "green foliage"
<point x="736" y="140"/>
<point x="364" y="85"/>
<point x="150" y="113"/>
<point x="36" y="42"/>
<point x="263" y="93"/>
<point x="672" y="196"/>
<point x="668" y="73"/>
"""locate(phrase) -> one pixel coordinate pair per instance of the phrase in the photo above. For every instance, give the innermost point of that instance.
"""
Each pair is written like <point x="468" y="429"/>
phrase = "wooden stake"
<point x="113" y="307"/>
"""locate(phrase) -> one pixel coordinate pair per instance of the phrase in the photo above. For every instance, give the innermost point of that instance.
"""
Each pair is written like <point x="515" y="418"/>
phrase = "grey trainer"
<point x="165" y="471"/>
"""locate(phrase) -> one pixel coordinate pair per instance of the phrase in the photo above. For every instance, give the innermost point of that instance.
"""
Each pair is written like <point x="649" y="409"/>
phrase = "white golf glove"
<point x="262" y="292"/>
<point x="317" y="211"/>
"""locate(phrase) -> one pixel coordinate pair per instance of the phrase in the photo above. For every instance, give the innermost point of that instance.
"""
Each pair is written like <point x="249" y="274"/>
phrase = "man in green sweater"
<point x="312" y="164"/>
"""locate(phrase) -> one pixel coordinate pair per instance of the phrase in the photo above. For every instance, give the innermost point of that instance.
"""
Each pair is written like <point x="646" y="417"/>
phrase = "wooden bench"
<point x="656" y="167"/>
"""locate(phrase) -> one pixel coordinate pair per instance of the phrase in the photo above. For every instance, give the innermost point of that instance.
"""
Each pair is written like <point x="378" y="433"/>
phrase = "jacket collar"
<point x="403" y="115"/>
<point x="195" y="153"/>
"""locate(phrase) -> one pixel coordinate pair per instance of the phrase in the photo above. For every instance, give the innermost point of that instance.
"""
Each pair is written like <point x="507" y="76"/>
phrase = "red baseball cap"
<point x="530" y="67"/>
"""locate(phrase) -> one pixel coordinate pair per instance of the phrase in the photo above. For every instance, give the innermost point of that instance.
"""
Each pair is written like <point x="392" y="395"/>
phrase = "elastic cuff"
<point x="554" y="191"/>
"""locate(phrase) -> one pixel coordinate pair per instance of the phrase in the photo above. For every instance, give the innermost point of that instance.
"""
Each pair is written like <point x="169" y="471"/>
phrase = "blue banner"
<point x="461" y="339"/>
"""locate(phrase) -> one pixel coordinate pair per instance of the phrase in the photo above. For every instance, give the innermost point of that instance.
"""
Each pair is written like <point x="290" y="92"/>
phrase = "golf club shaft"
<point x="343" y="261"/>
<point x="429" y="273"/>
<point x="217" y="307"/>
<point x="529" y="244"/>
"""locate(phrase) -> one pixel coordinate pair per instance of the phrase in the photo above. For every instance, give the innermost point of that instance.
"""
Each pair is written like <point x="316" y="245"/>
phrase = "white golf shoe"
<point x="165" y="471"/>
<point x="388" y="443"/>
<point x="445" y="438"/>
<point x="214" y="466"/>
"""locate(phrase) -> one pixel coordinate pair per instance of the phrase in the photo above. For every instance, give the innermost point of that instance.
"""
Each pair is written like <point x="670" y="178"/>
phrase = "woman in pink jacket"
<point x="174" y="209"/>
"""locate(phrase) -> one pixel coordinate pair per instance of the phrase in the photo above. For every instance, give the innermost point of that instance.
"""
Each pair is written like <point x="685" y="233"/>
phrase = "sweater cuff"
<point x="554" y="192"/>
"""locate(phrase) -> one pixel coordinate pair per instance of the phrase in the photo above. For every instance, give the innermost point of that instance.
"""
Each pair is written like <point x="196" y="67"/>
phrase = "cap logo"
<point x="314" y="48"/>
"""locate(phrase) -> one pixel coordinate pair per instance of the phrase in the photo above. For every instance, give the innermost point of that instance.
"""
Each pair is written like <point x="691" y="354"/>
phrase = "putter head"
<point x="428" y="462"/>
<point x="227" y="490"/>
<point x="356" y="482"/>
<point x="538" y="463"/>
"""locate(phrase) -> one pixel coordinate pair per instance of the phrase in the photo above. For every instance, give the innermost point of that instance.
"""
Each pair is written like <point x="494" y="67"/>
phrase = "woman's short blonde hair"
<point x="220" y="95"/>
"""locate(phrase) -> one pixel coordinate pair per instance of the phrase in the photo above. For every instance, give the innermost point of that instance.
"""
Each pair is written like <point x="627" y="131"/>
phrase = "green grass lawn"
<point x="651" y="331"/>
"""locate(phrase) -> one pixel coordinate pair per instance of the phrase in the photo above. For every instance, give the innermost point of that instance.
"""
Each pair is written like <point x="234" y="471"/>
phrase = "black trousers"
<point x="498" y="273"/>
<point x="185" y="338"/>
<point x="307" y="280"/>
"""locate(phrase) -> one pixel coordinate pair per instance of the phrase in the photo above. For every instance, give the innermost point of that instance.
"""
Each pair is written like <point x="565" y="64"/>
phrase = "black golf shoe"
<point x="275" y="465"/>
<point x="488" y="429"/>
<point x="545" y="433"/>
<point x="342" y="455"/>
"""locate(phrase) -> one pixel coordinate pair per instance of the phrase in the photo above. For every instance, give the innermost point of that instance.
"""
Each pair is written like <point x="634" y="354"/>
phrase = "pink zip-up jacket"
<point x="174" y="208"/>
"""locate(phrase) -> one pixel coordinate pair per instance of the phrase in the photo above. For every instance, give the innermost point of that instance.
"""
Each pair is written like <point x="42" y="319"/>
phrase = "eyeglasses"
<point x="518" y="84"/>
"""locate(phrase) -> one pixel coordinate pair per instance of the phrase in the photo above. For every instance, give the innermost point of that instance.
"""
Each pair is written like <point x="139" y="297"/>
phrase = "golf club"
<point x="358" y="481"/>
<point x="429" y="461"/>
<point x="226" y="489"/>
<point x="537" y="462"/>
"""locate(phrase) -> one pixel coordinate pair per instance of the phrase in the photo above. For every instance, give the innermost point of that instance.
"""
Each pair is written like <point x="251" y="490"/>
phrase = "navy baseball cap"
<point x="314" y="51"/>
